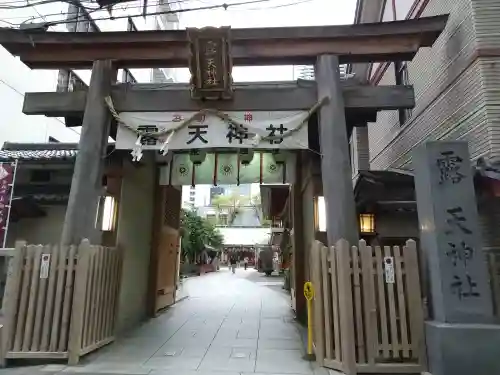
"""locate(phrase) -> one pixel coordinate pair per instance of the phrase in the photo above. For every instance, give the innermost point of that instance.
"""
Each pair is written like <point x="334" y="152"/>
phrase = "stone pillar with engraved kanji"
<point x="461" y="338"/>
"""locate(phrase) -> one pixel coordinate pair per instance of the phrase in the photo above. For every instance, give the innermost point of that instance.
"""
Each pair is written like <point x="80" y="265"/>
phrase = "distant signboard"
<point x="7" y="174"/>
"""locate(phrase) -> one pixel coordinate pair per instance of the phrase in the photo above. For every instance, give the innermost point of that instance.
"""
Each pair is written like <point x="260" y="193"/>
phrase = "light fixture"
<point x="367" y="223"/>
<point x="108" y="214"/>
<point x="320" y="214"/>
<point x="197" y="156"/>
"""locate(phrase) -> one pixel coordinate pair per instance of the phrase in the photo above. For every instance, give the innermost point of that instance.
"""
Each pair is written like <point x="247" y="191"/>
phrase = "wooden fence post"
<point x="11" y="297"/>
<point x="78" y="308"/>
<point x="327" y="302"/>
<point x="319" y="327"/>
<point x="343" y="252"/>
<point x="415" y="305"/>
<point x="371" y="324"/>
<point x="118" y="288"/>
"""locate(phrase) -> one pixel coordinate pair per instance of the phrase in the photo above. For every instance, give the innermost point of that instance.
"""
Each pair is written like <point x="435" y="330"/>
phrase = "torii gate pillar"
<point x="86" y="185"/>
<point x="335" y="159"/>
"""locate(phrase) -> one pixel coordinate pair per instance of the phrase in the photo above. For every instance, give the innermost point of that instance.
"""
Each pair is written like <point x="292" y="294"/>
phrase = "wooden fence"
<point x="368" y="314"/>
<point x="60" y="302"/>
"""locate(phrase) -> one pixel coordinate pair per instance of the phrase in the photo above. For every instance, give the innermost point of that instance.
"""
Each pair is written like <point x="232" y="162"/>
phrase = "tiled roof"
<point x="37" y="155"/>
<point x="38" y="151"/>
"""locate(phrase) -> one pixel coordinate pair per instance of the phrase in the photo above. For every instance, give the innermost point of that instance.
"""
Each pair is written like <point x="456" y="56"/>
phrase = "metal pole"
<point x="309" y="294"/>
<point x="10" y="204"/>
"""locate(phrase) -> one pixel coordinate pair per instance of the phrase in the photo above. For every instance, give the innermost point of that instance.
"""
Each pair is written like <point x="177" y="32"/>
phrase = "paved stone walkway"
<point x="230" y="325"/>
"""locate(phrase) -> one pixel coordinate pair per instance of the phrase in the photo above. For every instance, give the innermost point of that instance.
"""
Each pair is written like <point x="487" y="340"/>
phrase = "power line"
<point x="111" y="18"/>
<point x="43" y="2"/>
<point x="92" y="10"/>
<point x="156" y="4"/>
<point x="278" y="6"/>
<point x="20" y="93"/>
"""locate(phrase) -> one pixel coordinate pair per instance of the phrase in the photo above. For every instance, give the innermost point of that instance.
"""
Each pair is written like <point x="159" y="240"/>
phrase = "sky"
<point x="266" y="13"/>
<point x="16" y="79"/>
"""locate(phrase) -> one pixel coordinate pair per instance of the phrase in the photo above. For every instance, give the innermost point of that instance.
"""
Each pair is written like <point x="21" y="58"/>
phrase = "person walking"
<point x="245" y="262"/>
<point x="233" y="264"/>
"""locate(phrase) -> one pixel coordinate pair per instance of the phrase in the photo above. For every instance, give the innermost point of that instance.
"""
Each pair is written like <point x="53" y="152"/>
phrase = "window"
<point x="402" y="78"/>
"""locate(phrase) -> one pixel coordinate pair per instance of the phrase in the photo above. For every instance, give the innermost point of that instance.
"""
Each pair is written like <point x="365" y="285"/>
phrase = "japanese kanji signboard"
<point x="210" y="131"/>
<point x="7" y="171"/>
<point x="450" y="234"/>
<point x="210" y="63"/>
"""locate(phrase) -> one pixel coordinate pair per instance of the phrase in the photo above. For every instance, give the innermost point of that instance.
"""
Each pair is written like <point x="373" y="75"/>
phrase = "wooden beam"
<point x="383" y="41"/>
<point x="276" y="97"/>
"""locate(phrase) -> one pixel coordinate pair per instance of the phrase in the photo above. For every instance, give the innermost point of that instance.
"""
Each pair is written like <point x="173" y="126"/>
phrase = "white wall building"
<point x="195" y="196"/>
<point x="16" y="78"/>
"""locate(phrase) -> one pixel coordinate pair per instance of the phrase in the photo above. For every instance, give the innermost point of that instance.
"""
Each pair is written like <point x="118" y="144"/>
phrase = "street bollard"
<point x="309" y="294"/>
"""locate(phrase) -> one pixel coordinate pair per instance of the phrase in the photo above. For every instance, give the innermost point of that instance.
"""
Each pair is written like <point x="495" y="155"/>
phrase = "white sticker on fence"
<point x="45" y="266"/>
<point x="389" y="270"/>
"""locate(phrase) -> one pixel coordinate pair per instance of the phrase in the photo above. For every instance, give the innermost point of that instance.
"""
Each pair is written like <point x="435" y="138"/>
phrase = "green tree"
<point x="196" y="233"/>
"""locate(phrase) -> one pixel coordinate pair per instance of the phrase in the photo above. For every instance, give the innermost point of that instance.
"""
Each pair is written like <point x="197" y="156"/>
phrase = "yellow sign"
<point x="308" y="291"/>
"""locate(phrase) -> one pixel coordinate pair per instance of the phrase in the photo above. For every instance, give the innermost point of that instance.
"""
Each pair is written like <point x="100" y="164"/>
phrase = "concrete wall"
<point x="134" y="235"/>
<point x="45" y="230"/>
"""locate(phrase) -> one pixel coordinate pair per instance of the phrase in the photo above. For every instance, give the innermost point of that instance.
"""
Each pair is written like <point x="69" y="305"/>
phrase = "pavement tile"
<point x="264" y="343"/>
<point x="287" y="361"/>
<point x="229" y="359"/>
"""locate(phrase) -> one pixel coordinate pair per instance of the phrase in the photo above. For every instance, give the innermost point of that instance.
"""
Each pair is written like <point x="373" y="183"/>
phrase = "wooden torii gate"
<point x="351" y="102"/>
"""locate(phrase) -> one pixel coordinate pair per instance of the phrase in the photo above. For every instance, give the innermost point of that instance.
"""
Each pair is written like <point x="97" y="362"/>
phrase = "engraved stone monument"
<point x="462" y="337"/>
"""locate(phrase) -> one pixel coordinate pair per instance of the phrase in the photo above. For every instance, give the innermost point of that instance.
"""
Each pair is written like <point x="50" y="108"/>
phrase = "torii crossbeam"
<point x="384" y="41"/>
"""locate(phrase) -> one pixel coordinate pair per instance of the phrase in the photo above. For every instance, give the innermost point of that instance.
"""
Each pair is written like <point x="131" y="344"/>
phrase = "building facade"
<point x="456" y="91"/>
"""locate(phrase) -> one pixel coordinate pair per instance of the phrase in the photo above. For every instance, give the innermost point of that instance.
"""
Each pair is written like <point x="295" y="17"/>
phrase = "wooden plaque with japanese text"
<point x="210" y="63"/>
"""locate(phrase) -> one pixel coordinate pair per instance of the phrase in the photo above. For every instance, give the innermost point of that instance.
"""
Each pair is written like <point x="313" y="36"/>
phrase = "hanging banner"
<point x="7" y="176"/>
<point x="210" y="131"/>
<point x="226" y="172"/>
<point x="227" y="169"/>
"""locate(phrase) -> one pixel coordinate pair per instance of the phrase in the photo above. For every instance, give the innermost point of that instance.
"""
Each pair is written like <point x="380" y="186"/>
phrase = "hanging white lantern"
<point x="246" y="156"/>
<point x="197" y="156"/>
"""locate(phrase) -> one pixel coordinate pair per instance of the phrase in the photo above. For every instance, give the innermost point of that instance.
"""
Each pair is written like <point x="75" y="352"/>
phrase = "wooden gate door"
<point x="165" y="260"/>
